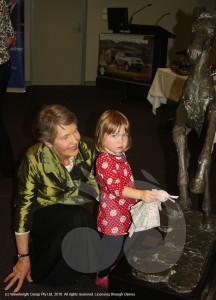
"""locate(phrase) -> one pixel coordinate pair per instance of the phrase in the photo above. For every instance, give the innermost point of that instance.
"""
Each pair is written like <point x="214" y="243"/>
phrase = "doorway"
<point x="57" y="42"/>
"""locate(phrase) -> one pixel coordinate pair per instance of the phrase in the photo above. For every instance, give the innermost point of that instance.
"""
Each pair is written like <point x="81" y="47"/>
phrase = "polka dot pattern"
<point x="113" y="174"/>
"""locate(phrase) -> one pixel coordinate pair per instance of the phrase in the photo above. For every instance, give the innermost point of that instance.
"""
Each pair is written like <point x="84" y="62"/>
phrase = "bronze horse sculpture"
<point x="197" y="106"/>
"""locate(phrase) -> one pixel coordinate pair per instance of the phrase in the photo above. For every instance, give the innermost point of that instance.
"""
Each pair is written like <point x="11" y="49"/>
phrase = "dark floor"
<point x="153" y="152"/>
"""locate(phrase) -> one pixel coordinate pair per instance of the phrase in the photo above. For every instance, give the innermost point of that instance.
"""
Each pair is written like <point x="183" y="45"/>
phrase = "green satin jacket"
<point x="43" y="181"/>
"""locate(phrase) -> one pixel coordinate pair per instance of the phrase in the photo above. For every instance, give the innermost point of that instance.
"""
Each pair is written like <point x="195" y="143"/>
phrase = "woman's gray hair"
<point x="45" y="125"/>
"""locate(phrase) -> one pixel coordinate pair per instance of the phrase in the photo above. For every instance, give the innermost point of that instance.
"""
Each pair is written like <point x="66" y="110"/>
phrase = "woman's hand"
<point x="149" y="196"/>
<point x="10" y="42"/>
<point x="21" y="270"/>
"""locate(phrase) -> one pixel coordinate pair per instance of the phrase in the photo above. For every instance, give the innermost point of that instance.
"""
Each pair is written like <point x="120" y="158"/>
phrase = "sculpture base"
<point x="194" y="276"/>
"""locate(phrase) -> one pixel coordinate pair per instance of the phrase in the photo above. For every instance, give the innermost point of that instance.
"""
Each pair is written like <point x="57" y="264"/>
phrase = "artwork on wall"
<point x="126" y="57"/>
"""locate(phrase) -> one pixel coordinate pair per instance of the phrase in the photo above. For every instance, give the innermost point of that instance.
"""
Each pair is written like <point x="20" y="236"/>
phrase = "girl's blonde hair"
<point x="110" y="122"/>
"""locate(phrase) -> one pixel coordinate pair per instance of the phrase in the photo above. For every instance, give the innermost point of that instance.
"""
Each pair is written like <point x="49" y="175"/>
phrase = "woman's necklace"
<point x="69" y="167"/>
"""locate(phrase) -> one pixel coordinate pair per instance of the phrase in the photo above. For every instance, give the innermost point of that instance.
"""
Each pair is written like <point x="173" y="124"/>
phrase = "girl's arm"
<point x="145" y="195"/>
<point x="119" y="185"/>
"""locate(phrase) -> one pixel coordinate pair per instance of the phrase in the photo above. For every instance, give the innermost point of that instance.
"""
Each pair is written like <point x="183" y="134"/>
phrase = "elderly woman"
<point x="54" y="179"/>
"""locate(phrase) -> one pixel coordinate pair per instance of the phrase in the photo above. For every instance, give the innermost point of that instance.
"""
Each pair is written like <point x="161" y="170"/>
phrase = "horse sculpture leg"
<point x="204" y="162"/>
<point x="207" y="223"/>
<point x="200" y="183"/>
<point x="180" y="140"/>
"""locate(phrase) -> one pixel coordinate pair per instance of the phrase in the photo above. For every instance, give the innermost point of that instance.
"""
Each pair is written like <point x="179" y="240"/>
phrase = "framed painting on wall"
<point x="126" y="57"/>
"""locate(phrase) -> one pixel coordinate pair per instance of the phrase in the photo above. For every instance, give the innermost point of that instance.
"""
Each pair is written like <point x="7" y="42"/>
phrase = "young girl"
<point x="112" y="139"/>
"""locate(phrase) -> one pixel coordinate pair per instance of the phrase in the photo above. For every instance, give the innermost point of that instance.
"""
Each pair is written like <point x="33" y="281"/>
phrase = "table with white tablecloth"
<point x="166" y="85"/>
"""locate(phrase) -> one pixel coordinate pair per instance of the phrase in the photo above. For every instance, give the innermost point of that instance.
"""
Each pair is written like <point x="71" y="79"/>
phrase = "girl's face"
<point x="116" y="143"/>
<point x="66" y="142"/>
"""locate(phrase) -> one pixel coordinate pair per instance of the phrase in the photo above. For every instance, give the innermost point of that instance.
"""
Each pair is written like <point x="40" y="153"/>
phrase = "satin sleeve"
<point x="26" y="200"/>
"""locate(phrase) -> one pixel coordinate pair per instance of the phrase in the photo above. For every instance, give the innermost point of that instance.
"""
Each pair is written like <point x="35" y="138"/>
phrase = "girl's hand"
<point x="149" y="196"/>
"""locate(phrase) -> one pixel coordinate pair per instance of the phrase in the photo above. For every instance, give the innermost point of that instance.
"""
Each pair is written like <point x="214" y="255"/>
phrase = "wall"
<point x="178" y="22"/>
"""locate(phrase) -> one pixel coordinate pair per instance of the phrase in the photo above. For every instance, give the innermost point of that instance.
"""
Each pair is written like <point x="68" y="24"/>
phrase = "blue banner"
<point x="16" y="10"/>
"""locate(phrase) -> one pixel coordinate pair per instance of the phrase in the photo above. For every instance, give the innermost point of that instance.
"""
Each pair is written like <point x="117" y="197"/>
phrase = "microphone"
<point x="161" y="17"/>
<point x="131" y="18"/>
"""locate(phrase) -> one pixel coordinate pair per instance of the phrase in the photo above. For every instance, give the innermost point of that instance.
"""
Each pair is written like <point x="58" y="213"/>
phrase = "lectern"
<point x="161" y="37"/>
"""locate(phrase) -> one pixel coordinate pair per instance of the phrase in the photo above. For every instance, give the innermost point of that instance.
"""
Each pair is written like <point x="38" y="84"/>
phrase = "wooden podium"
<point x="161" y="37"/>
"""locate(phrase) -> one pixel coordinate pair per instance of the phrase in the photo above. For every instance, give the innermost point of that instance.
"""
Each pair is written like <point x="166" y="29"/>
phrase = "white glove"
<point x="164" y="196"/>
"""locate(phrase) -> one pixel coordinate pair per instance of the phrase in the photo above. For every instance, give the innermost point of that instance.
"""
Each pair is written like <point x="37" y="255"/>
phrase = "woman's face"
<point x="117" y="142"/>
<point x="66" y="142"/>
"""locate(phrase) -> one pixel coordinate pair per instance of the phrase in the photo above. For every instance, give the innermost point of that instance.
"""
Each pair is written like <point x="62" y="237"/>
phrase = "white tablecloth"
<point x="166" y="85"/>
